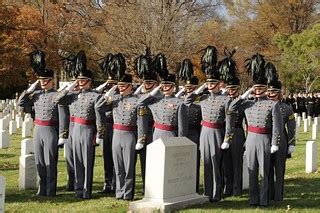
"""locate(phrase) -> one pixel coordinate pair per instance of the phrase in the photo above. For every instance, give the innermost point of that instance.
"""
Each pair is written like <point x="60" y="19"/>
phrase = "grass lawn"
<point x="302" y="191"/>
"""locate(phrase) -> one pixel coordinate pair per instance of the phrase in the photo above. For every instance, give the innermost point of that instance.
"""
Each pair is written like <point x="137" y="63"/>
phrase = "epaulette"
<point x="142" y="111"/>
<point x="291" y="117"/>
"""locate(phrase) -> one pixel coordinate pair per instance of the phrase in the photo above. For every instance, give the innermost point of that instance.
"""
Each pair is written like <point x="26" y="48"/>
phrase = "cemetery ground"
<point x="302" y="191"/>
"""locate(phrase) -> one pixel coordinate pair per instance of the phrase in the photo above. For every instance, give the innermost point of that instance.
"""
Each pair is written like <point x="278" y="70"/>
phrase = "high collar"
<point x="85" y="90"/>
<point x="48" y="90"/>
<point x="261" y="98"/>
<point x="169" y="96"/>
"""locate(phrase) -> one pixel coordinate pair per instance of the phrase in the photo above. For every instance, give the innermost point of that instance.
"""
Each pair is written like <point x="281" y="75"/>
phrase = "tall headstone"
<point x="245" y="173"/>
<point x="12" y="127"/>
<point x="170" y="176"/>
<point x="4" y="139"/>
<point x="2" y="193"/>
<point x="27" y="129"/>
<point x="305" y="125"/>
<point x="27" y="172"/>
<point x="299" y="121"/>
<point x="315" y="120"/>
<point x="26" y="116"/>
<point x="314" y="131"/>
<point x="304" y="115"/>
<point x="296" y="116"/>
<point x="26" y="147"/>
<point x="309" y="120"/>
<point x="311" y="156"/>
<point x="27" y="166"/>
<point x="19" y="121"/>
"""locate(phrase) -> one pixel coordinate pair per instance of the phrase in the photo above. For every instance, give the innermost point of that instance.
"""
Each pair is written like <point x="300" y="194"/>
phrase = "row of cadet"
<point x="223" y="123"/>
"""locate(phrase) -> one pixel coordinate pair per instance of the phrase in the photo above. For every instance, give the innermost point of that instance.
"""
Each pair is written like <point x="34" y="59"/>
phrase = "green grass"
<point x="302" y="191"/>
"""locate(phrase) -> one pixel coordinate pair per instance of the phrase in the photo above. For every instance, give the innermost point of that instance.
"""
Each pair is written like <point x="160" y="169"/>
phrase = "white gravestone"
<point x="309" y="120"/>
<point x="12" y="127"/>
<point x="13" y="114"/>
<point x="304" y="115"/>
<point x="2" y="192"/>
<point x="27" y="172"/>
<point x="26" y="116"/>
<point x="27" y="129"/>
<point x="311" y="156"/>
<point x="4" y="123"/>
<point x="299" y="121"/>
<point x="314" y="131"/>
<point x="19" y="121"/>
<point x="305" y="125"/>
<point x="245" y="173"/>
<point x="170" y="176"/>
<point x="4" y="139"/>
<point x="26" y="147"/>
<point x="27" y="166"/>
<point x="295" y="116"/>
<point x="315" y="120"/>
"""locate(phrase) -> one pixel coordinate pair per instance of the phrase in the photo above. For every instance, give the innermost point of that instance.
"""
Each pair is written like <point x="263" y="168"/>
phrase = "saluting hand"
<point x="33" y="87"/>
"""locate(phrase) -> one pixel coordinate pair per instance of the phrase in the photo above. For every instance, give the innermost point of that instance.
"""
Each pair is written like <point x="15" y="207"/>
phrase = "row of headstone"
<point x="27" y="166"/>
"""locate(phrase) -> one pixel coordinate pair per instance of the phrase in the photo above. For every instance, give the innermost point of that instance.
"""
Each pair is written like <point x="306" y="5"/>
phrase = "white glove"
<point x="101" y="87"/>
<point x="274" y="148"/>
<point x="99" y="141"/>
<point x="71" y="86"/>
<point x="111" y="91"/>
<point x="200" y="89"/>
<point x="225" y="145"/>
<point x="33" y="87"/>
<point x="139" y="146"/>
<point x="291" y="148"/>
<point x="138" y="90"/>
<point x="246" y="94"/>
<point x="179" y="93"/>
<point x="62" y="88"/>
<point x="62" y="141"/>
<point x="223" y="91"/>
<point x="155" y="90"/>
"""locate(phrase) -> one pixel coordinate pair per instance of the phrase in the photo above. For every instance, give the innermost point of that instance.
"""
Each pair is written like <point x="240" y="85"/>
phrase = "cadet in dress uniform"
<point x="109" y="185"/>
<point x="87" y="126"/>
<point x="264" y="129"/>
<point x="168" y="111"/>
<point x="65" y="126"/>
<point x="193" y="110"/>
<point x="213" y="107"/>
<point x="234" y="137"/>
<point x="146" y="72"/>
<point x="45" y="137"/>
<point x="124" y="107"/>
<point x="287" y="144"/>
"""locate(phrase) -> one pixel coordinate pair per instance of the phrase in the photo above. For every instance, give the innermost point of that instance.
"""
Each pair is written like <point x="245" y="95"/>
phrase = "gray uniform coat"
<point x="213" y="109"/>
<point x="45" y="137"/>
<point x="264" y="129"/>
<point x="124" y="110"/>
<point x="234" y="155"/>
<point x="87" y="121"/>
<point x="169" y="114"/>
<point x="278" y="159"/>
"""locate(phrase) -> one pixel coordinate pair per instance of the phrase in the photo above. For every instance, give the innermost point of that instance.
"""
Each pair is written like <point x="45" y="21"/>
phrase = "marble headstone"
<point x="170" y="176"/>
<point x="2" y="193"/>
<point x="311" y="156"/>
<point x="4" y="139"/>
<point x="27" y="172"/>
